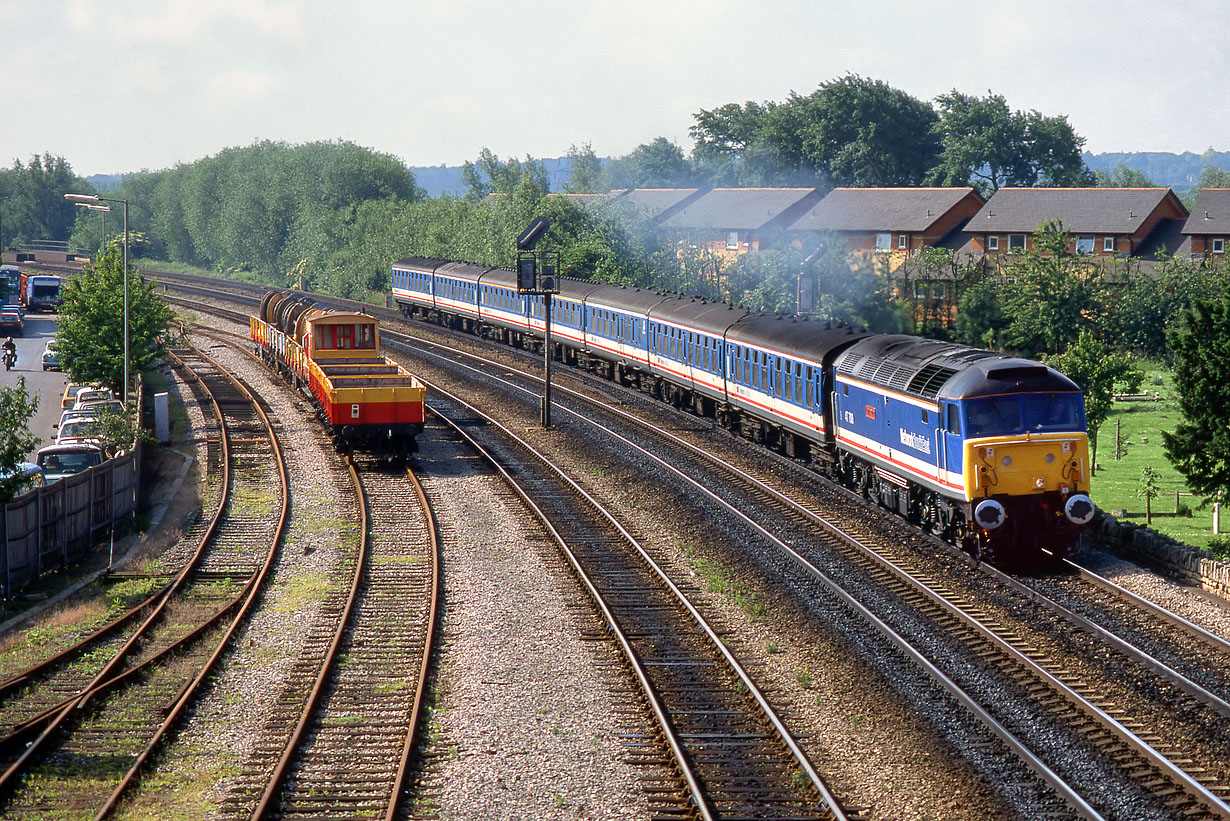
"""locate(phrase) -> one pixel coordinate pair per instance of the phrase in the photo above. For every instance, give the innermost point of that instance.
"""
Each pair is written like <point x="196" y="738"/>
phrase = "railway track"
<point x="1157" y="768"/>
<point x="734" y="754"/>
<point x="1161" y="771"/>
<point x="83" y="751"/>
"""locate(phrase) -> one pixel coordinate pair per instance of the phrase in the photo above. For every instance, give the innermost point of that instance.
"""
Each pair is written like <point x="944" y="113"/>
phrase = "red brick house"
<point x="1208" y="227"/>
<point x="890" y="219"/>
<point x="734" y="221"/>
<point x="1102" y="221"/>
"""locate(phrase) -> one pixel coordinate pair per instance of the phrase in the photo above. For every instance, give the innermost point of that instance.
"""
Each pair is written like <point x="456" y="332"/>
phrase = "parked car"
<point x="92" y="394"/>
<point x="72" y="415"/>
<point x="58" y="461"/>
<point x="78" y="432"/>
<point x="10" y="322"/>
<point x="98" y="407"/>
<point x="51" y="357"/>
<point x="32" y="477"/>
<point x="71" y="392"/>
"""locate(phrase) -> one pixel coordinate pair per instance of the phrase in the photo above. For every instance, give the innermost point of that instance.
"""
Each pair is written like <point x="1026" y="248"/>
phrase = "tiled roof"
<point x="881" y="209"/>
<point x="743" y="209"/>
<point x="653" y="202"/>
<point x="1211" y="213"/>
<point x="1082" y="210"/>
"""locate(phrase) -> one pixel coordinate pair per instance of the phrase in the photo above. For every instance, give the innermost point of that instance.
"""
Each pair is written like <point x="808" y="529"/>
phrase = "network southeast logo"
<point x="913" y="440"/>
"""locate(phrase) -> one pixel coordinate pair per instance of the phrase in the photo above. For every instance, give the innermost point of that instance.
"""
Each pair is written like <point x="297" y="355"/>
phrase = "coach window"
<point x="811" y="388"/>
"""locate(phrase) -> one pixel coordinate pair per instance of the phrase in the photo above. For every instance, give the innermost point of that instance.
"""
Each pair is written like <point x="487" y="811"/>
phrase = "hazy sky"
<point x="123" y="85"/>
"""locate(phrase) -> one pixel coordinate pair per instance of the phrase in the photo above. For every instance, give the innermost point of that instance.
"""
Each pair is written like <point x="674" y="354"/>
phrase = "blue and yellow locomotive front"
<point x="988" y="450"/>
<point x="1025" y="458"/>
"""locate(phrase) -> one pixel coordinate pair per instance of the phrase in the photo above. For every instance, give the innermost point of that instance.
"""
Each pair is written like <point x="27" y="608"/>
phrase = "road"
<point x="47" y="385"/>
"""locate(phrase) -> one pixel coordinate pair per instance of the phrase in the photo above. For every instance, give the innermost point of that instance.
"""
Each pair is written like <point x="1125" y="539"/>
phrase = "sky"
<point x="117" y="86"/>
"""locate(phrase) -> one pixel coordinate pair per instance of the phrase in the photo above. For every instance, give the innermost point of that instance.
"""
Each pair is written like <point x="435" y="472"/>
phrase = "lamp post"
<point x="88" y="199"/>
<point x="102" y="212"/>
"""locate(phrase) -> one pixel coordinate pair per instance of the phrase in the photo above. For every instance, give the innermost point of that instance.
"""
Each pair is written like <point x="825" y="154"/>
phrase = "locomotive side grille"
<point x="929" y="380"/>
<point x="849" y="363"/>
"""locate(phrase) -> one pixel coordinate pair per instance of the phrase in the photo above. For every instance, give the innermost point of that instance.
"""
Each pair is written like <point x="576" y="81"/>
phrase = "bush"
<point x="1220" y="547"/>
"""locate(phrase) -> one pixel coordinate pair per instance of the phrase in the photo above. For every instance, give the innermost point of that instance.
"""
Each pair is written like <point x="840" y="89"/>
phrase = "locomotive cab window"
<point x="953" y="423"/>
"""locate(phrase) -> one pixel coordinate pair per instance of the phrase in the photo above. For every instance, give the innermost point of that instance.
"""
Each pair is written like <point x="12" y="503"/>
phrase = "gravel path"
<point x="524" y="724"/>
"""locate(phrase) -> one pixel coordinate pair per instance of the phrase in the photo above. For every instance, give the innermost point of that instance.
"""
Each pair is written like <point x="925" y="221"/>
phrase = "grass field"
<point x="1116" y="484"/>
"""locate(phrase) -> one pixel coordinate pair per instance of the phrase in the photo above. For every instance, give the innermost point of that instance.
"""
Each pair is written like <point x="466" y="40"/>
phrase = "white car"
<point x="78" y="432"/>
<point x="51" y="357"/>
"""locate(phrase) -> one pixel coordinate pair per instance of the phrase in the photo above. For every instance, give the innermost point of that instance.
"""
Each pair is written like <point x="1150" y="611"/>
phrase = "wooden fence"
<point x="50" y="527"/>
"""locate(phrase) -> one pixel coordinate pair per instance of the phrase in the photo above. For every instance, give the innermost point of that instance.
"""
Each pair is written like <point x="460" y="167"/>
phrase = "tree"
<point x="1149" y="489"/>
<point x="489" y="175"/>
<point x="17" y="408"/>
<point x="1123" y="177"/>
<point x="1096" y="371"/>
<point x="34" y="204"/>
<point x="856" y="131"/>
<point x="987" y="145"/>
<point x="91" y="332"/>
<point x="1199" y="447"/>
<point x="585" y="175"/>
<point x="1056" y="294"/>
<point x="656" y="164"/>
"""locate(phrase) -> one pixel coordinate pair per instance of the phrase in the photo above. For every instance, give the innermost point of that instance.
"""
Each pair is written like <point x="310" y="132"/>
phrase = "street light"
<point x="88" y="199"/>
<point x="102" y="209"/>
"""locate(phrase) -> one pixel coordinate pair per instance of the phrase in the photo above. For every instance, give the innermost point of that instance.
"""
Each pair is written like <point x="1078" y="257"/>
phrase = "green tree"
<point x="585" y="174"/>
<point x="34" y="204"/>
<point x="1096" y="370"/>
<point x="17" y="408"/>
<point x="1199" y="447"/>
<point x="1213" y="177"/>
<point x="856" y="131"/>
<point x="987" y="145"/>
<point x="1056" y="294"/>
<point x="1123" y="177"/>
<point x="656" y="164"/>
<point x="91" y="327"/>
<point x="490" y="175"/>
<point x="1149" y="489"/>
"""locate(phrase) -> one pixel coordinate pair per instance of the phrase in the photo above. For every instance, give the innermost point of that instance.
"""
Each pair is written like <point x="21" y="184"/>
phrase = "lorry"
<point x="39" y="292"/>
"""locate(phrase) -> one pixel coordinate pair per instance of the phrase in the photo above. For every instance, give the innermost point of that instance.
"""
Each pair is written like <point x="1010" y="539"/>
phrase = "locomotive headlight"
<point x="1040" y="483"/>
<point x="989" y="514"/>
<point x="1007" y="460"/>
<point x="1079" y="509"/>
<point x="1050" y="458"/>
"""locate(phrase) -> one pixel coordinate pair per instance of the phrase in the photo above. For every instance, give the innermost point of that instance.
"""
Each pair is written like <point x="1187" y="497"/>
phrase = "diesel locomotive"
<point x="989" y="451"/>
<point x="333" y="357"/>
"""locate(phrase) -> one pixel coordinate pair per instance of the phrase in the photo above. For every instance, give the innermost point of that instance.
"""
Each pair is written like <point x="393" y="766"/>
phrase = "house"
<point x="889" y="219"/>
<point x="655" y="204"/>
<point x="1208" y="227"/>
<point x="734" y="221"/>
<point x="1102" y="221"/>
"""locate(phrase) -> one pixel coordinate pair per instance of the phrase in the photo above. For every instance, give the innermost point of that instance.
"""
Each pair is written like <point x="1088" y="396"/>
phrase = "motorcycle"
<point x="10" y="359"/>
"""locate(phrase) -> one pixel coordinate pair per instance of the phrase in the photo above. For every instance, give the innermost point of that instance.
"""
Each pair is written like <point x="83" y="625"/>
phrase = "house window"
<point x="903" y="242"/>
<point x="884" y="242"/>
<point x="732" y="240"/>
<point x="1084" y="244"/>
<point x="1016" y="242"/>
<point x="1108" y="244"/>
<point x="1218" y="245"/>
<point x="993" y="242"/>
